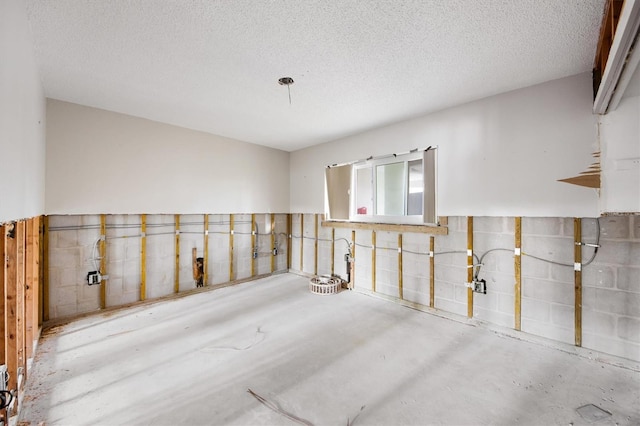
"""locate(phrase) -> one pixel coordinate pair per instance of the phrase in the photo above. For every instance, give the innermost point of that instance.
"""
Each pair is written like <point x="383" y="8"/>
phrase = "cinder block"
<point x="64" y="258"/>
<point x="615" y="252"/>
<point x="488" y="302"/>
<point x="65" y="295"/>
<point x="598" y="323"/>
<point x="534" y="268"/>
<point x="416" y="296"/>
<point x="562" y="315"/>
<point x="629" y="329"/>
<point x="450" y="273"/>
<point x="493" y="317"/>
<point x="618" y="302"/>
<point x="636" y="226"/>
<point x="598" y="276"/>
<point x="548" y="291"/>
<point x="443" y="290"/>
<point x="547" y="330"/>
<point x="535" y="310"/>
<point x="67" y="310"/>
<point x="64" y="239"/>
<point x="460" y="293"/>
<point x="59" y="221"/>
<point x="506" y="303"/>
<point x="542" y="226"/>
<point x="612" y="345"/>
<point x="628" y="279"/>
<point x="489" y="224"/>
<point x="564" y="274"/>
<point x="499" y="283"/>
<point x="451" y="306"/>
<point x="615" y="227"/>
<point x="551" y="248"/>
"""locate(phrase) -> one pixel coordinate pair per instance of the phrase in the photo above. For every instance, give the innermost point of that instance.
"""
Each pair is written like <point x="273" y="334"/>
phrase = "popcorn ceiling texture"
<point x="214" y="65"/>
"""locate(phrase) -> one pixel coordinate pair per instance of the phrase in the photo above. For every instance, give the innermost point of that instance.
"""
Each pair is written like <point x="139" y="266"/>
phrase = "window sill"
<point x="441" y="229"/>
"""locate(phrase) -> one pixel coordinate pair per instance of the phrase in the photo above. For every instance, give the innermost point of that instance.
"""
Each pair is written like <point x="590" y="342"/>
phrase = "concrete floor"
<point x="324" y="359"/>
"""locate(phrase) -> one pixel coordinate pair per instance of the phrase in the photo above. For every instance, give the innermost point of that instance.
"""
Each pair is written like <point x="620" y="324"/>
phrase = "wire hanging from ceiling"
<point x="286" y="81"/>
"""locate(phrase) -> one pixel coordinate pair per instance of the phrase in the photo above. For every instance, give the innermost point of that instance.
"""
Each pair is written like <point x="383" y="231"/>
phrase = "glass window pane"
<point x="416" y="188"/>
<point x="390" y="189"/>
<point x="364" y="191"/>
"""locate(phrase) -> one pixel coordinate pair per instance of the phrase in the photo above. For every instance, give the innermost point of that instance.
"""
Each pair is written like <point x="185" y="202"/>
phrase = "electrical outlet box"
<point x="275" y="251"/>
<point x="479" y="286"/>
<point x="255" y="254"/>
<point x="94" y="277"/>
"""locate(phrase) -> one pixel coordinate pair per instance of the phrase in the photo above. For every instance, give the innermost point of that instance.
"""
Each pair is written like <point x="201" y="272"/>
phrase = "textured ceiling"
<point x="357" y="64"/>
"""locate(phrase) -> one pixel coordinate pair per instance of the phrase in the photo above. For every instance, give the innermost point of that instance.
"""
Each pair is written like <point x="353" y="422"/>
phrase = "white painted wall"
<point x="620" y="140"/>
<point x="499" y="156"/>
<point x="22" y="114"/>
<point x="104" y="162"/>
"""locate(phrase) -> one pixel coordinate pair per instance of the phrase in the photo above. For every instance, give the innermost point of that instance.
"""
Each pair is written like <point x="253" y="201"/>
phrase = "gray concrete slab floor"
<point x="328" y="360"/>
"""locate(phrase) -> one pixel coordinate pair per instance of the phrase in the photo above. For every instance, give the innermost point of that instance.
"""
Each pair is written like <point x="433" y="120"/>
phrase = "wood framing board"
<point x="373" y="260"/>
<point x="470" y="267"/>
<point x="3" y="291"/>
<point x="518" y="274"/>
<point x="103" y="260"/>
<point x="352" y="282"/>
<point x="35" y="284"/>
<point x="41" y="258"/>
<point x="423" y="229"/>
<point x="432" y="275"/>
<point x="143" y="257"/>
<point x="231" y="272"/>
<point x="45" y="277"/>
<point x="289" y="236"/>
<point x="254" y="249"/>
<point x="30" y="277"/>
<point x="315" y="244"/>
<point x="176" y="277"/>
<point x="273" y="242"/>
<point x="577" y="273"/>
<point x="301" y="242"/>
<point x="20" y="300"/>
<point x="333" y="251"/>
<point x="400" y="285"/>
<point x="205" y="254"/>
<point x="11" y="313"/>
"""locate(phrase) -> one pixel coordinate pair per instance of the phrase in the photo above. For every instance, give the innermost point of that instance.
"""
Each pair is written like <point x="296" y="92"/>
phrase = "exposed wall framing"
<point x="20" y="284"/>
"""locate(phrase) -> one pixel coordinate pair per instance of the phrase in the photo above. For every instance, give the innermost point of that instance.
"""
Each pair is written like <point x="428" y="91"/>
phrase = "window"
<point x="391" y="189"/>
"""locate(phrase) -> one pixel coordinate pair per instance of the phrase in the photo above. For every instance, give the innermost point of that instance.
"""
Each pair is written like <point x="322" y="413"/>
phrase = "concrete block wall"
<point x="611" y="289"/>
<point x="73" y="253"/>
<point x="71" y="256"/>
<point x="611" y="284"/>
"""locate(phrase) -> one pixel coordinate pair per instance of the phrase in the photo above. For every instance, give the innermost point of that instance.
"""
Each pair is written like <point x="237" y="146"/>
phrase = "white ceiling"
<point x="213" y="65"/>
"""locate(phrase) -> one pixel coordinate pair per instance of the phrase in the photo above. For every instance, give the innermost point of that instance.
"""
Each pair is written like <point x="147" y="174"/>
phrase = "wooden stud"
<point x="577" y="238"/>
<point x="400" y="289"/>
<point x="333" y="251"/>
<point x="315" y="244"/>
<point x="205" y="258"/>
<point x="45" y="277"/>
<point x="3" y="290"/>
<point x="470" y="267"/>
<point x="289" y="245"/>
<point x="273" y="242"/>
<point x="10" y="317"/>
<point x="20" y="298"/>
<point x="35" y="265"/>
<point x="518" y="273"/>
<point x="353" y="263"/>
<point x="432" y="274"/>
<point x="176" y="277"/>
<point x="103" y="260"/>
<point x="231" y="247"/>
<point x="301" y="242"/>
<point x="254" y="249"/>
<point x="41" y="273"/>
<point x="30" y="277"/>
<point x="143" y="257"/>
<point x="373" y="261"/>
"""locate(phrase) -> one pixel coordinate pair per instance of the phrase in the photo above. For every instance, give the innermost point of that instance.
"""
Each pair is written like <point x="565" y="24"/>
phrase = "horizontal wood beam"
<point x="423" y="229"/>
